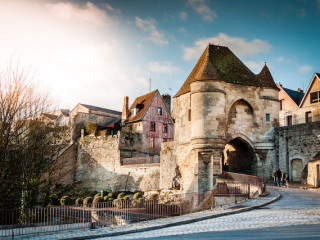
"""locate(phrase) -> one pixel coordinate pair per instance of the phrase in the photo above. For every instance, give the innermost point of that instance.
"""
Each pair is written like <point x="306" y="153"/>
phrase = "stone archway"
<point x="296" y="169"/>
<point x="238" y="156"/>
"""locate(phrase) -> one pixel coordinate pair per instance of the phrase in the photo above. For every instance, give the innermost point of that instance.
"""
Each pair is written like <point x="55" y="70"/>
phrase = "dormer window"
<point x="315" y="97"/>
<point x="159" y="111"/>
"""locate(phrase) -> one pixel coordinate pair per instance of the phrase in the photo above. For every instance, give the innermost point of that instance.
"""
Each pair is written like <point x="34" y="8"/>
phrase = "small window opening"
<point x="165" y="128"/>
<point x="267" y="117"/>
<point x="159" y="111"/>
<point x="153" y="127"/>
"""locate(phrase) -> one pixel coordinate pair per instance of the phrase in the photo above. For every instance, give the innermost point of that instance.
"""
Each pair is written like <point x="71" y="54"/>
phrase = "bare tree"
<point x="29" y="147"/>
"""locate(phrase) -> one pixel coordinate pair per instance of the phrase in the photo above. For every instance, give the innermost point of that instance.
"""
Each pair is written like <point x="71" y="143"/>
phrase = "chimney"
<point x="167" y="101"/>
<point x="125" y="110"/>
<point x="299" y="90"/>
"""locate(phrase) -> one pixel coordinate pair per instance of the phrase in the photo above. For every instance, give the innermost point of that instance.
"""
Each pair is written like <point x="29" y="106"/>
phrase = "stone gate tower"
<point x="224" y="114"/>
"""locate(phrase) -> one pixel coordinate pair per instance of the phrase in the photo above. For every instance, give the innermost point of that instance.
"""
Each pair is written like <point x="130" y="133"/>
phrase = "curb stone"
<point x="245" y="209"/>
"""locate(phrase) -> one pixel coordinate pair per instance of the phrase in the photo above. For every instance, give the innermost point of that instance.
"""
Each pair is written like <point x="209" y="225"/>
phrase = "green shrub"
<point x="117" y="203"/>
<point x="97" y="195"/>
<point x="87" y="201"/>
<point x="91" y="128"/>
<point x="110" y="199"/>
<point x="136" y="202"/>
<point x="125" y="198"/>
<point x="121" y="195"/>
<point x="79" y="201"/>
<point x="137" y="195"/>
<point x="65" y="200"/>
<point x="106" y="198"/>
<point x="53" y="199"/>
<point x="153" y="196"/>
<point x="113" y="194"/>
<point x="97" y="200"/>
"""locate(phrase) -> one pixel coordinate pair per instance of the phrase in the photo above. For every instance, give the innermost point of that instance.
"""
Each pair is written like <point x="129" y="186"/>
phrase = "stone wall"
<point x="209" y="117"/>
<point x="314" y="173"/>
<point x="99" y="167"/>
<point x="296" y="146"/>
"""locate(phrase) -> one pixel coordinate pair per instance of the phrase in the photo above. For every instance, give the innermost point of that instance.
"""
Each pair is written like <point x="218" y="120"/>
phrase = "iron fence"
<point x="243" y="178"/>
<point x="39" y="220"/>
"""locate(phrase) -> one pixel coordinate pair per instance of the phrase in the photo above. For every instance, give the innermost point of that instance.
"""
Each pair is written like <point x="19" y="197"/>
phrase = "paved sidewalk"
<point x="166" y="222"/>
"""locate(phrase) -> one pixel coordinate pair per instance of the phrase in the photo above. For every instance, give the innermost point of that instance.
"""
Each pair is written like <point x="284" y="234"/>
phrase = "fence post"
<point x="180" y="206"/>
<point x="248" y="191"/>
<point x="12" y="225"/>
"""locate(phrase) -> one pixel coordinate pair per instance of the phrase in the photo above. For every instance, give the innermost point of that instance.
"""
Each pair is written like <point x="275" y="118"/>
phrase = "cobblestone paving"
<point x="296" y="207"/>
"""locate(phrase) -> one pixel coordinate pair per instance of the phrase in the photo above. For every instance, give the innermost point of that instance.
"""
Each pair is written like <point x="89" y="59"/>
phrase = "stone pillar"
<point x="207" y="132"/>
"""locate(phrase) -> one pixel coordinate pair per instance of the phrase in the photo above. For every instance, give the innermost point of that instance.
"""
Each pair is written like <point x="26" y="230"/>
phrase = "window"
<point x="315" y="97"/>
<point x="308" y="117"/>
<point x="159" y="111"/>
<point x="189" y="115"/>
<point x="280" y="104"/>
<point x="267" y="117"/>
<point x="289" y="120"/>
<point x="153" y="127"/>
<point x="151" y="142"/>
<point x="165" y="128"/>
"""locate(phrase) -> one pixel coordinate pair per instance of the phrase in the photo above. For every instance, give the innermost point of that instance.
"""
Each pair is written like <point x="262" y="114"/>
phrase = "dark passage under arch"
<point x="238" y="157"/>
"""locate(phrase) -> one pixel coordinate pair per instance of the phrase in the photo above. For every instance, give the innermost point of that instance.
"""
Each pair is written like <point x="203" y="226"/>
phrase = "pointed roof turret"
<point x="265" y="78"/>
<point x="218" y="63"/>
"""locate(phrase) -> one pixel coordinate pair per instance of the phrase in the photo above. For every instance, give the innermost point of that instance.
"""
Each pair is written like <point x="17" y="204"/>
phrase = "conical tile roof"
<point x="218" y="63"/>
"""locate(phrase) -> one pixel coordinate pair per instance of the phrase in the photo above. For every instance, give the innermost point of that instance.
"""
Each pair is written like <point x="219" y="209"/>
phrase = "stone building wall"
<point x="296" y="146"/>
<point x="314" y="173"/>
<point x="99" y="167"/>
<point x="206" y="119"/>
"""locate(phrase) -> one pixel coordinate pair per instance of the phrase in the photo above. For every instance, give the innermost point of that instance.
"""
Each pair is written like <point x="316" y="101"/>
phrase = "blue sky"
<point x="96" y="52"/>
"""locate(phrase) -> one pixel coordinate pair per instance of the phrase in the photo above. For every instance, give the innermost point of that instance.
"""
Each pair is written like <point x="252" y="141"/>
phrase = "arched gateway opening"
<point x="238" y="157"/>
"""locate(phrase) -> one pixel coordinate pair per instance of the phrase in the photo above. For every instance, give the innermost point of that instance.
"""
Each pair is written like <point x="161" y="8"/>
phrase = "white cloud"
<point x="183" y="16"/>
<point x="255" y="67"/>
<point x="203" y="9"/>
<point x="305" y="68"/>
<point x="280" y="59"/>
<point x="112" y="9"/>
<point x="239" y="46"/>
<point x="163" y="67"/>
<point x="149" y="25"/>
<point x="183" y="31"/>
<point x="87" y="13"/>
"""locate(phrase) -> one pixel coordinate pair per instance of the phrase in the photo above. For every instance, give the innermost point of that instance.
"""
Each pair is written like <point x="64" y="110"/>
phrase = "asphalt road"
<point x="289" y="232"/>
<point x="295" y="216"/>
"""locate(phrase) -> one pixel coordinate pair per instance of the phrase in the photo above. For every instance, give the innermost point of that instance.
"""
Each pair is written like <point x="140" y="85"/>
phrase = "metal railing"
<point x="235" y="189"/>
<point x="243" y="178"/>
<point x="37" y="221"/>
<point x="141" y="160"/>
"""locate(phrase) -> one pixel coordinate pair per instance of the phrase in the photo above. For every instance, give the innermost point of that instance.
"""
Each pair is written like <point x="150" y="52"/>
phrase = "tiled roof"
<point x="294" y="95"/>
<point x="65" y="112"/>
<point x="265" y="78"/>
<point x="99" y="109"/>
<point x="142" y="102"/>
<point x="50" y="116"/>
<point x="219" y="63"/>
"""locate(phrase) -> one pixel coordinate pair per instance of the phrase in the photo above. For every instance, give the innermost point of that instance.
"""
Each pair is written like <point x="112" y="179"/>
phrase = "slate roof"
<point x="99" y="109"/>
<point x="220" y="63"/>
<point x="50" y="116"/>
<point x="143" y="103"/>
<point x="65" y="112"/>
<point x="294" y="95"/>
